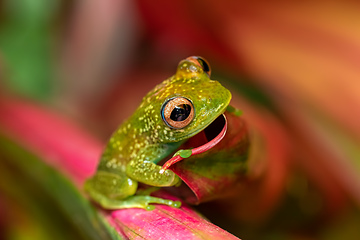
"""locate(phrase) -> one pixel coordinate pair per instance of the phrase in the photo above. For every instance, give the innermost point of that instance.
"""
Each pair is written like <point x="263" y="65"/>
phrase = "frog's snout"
<point x="221" y="93"/>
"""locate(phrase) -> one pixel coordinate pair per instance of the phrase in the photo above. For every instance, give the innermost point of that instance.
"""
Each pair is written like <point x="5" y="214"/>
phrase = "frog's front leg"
<point x="149" y="173"/>
<point x="116" y="191"/>
<point x="143" y="167"/>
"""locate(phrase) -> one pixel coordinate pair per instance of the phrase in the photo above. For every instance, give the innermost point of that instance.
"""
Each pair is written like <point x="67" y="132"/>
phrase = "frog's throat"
<point x="197" y="150"/>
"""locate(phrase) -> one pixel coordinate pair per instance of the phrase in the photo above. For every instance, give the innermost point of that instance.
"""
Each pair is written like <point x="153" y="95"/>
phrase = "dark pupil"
<point x="204" y="65"/>
<point x="180" y="112"/>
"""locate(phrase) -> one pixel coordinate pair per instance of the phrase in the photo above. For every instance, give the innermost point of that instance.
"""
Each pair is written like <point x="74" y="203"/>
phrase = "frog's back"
<point x="123" y="146"/>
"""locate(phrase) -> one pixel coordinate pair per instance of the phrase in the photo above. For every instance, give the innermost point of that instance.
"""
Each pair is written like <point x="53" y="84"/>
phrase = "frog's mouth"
<point x="201" y="142"/>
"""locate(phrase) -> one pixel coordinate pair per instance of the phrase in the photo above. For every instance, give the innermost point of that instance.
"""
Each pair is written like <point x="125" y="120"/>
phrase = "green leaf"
<point x="51" y="203"/>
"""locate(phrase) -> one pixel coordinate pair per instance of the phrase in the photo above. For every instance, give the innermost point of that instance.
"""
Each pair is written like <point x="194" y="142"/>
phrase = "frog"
<point x="174" y="111"/>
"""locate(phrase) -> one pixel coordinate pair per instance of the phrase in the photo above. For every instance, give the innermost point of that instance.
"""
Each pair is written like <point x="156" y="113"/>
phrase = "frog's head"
<point x="187" y="103"/>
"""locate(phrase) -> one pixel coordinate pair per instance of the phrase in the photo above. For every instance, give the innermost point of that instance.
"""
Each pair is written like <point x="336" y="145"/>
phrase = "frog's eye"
<point x="202" y="63"/>
<point x="177" y="112"/>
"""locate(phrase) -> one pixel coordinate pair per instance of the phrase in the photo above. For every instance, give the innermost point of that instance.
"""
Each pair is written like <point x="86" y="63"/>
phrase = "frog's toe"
<point x="176" y="204"/>
<point x="147" y="202"/>
<point x="150" y="207"/>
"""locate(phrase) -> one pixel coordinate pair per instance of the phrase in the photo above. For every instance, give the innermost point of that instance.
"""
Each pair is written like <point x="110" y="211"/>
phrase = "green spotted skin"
<point x="135" y="148"/>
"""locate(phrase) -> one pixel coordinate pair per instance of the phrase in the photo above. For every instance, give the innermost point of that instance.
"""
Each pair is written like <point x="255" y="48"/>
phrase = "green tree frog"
<point x="174" y="111"/>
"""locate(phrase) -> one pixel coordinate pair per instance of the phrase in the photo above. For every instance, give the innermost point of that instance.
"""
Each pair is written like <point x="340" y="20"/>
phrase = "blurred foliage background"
<point x="297" y="62"/>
